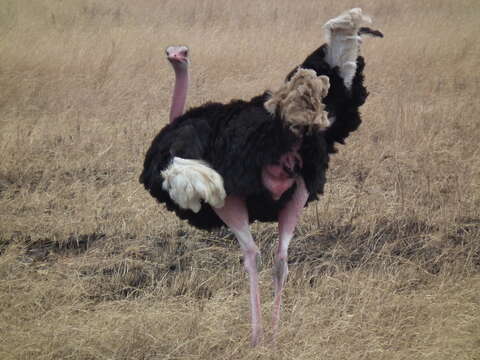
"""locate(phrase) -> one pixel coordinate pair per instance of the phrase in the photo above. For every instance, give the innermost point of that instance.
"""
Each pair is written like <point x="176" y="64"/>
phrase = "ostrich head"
<point x="299" y="102"/>
<point x="178" y="57"/>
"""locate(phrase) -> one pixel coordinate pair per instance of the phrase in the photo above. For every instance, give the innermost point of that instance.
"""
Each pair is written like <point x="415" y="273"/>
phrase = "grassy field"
<point x="385" y="266"/>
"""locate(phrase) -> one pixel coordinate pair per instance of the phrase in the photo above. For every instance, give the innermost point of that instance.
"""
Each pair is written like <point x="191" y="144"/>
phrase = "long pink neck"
<point x="179" y="93"/>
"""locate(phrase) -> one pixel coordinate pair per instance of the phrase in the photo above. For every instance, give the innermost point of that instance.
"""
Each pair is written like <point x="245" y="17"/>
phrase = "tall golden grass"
<point x="385" y="266"/>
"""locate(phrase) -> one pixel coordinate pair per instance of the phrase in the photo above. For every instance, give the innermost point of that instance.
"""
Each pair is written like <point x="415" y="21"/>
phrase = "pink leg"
<point x="287" y="220"/>
<point x="235" y="215"/>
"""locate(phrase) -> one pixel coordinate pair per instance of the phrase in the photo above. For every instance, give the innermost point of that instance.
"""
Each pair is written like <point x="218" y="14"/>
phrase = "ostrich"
<point x="230" y="164"/>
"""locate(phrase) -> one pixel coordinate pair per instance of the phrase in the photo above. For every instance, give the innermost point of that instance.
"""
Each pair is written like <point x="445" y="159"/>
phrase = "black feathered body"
<point x="240" y="138"/>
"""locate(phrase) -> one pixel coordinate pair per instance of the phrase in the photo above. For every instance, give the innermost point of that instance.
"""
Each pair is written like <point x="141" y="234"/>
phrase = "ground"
<point x="385" y="266"/>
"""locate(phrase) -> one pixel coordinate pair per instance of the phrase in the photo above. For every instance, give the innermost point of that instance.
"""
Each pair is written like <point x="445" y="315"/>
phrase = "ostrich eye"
<point x="185" y="53"/>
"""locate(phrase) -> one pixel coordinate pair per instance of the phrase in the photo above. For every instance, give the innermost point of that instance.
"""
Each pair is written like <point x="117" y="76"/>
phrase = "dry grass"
<point x="385" y="266"/>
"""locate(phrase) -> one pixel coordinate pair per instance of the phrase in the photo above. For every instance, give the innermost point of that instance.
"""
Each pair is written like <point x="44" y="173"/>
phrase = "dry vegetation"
<point x="385" y="266"/>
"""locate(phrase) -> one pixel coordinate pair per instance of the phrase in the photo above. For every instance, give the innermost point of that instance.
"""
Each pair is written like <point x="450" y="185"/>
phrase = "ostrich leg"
<point x="235" y="215"/>
<point x="287" y="220"/>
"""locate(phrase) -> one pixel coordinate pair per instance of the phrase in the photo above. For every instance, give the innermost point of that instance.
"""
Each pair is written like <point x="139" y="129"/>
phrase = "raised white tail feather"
<point x="343" y="41"/>
<point x="190" y="181"/>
